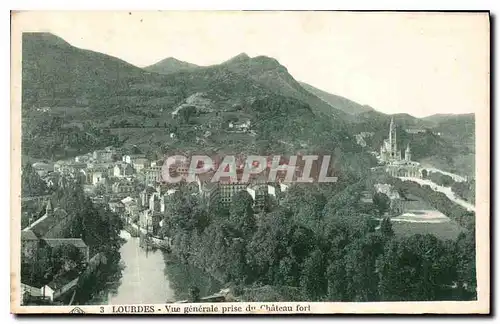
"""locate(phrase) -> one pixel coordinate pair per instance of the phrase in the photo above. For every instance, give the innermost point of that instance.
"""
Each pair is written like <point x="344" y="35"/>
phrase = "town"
<point x="133" y="187"/>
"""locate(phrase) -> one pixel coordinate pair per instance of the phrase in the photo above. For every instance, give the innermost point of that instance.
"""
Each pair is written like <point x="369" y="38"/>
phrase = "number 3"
<point x="101" y="309"/>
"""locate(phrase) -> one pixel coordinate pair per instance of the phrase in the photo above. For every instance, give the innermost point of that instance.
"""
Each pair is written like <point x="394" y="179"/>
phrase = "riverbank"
<point x="153" y="276"/>
<point x="133" y="230"/>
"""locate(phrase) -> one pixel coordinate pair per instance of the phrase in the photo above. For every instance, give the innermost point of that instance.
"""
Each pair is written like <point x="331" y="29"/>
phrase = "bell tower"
<point x="408" y="153"/>
<point x="48" y="209"/>
<point x="393" y="140"/>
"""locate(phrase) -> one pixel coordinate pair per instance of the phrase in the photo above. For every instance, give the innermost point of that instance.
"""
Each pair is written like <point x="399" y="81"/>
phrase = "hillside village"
<point x="132" y="187"/>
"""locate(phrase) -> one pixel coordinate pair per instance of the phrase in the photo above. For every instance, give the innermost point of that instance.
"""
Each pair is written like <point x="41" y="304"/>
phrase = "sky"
<point x="416" y="63"/>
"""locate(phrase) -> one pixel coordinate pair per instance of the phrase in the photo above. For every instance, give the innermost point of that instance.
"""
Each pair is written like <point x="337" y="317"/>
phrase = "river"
<point x="154" y="276"/>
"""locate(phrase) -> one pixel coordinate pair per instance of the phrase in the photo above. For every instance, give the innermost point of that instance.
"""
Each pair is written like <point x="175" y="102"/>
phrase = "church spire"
<point x="48" y="209"/>
<point x="408" y="152"/>
<point x="393" y="140"/>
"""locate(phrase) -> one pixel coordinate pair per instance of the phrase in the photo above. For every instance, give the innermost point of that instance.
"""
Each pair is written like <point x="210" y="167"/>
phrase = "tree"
<point x="241" y="215"/>
<point x="66" y="257"/>
<point x="186" y="113"/>
<point x="269" y="245"/>
<point x="416" y="268"/>
<point x="465" y="251"/>
<point x="386" y="228"/>
<point x="382" y="202"/>
<point x="31" y="183"/>
<point x="312" y="280"/>
<point x="194" y="294"/>
<point x="100" y="189"/>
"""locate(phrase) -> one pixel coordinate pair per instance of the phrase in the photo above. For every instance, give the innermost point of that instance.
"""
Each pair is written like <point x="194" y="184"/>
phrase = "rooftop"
<point x="62" y="280"/>
<point x="77" y="242"/>
<point x="28" y="235"/>
<point x="43" y="225"/>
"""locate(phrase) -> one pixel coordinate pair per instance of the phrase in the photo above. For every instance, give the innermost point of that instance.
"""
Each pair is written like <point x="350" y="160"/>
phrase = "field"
<point x="420" y="218"/>
<point x="445" y="231"/>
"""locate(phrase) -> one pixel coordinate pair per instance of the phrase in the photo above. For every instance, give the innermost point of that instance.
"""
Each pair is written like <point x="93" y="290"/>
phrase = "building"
<point x="121" y="170"/>
<point x="53" y="224"/>
<point x="259" y="194"/>
<point x="140" y="164"/>
<point x="60" y="285"/>
<point x="76" y="242"/>
<point x="29" y="243"/>
<point x="210" y="193"/>
<point x="391" y="156"/>
<point x="389" y="149"/>
<point x="42" y="169"/>
<point x="130" y="159"/>
<point x="150" y="220"/>
<point x="145" y="195"/>
<point x="156" y="202"/>
<point x="122" y="187"/>
<point x="396" y="202"/>
<point x="117" y="207"/>
<point x="95" y="174"/>
<point x="415" y="130"/>
<point x="131" y="208"/>
<point x="228" y="189"/>
<point x="98" y="177"/>
<point x="69" y="166"/>
<point x="103" y="155"/>
<point x="153" y="174"/>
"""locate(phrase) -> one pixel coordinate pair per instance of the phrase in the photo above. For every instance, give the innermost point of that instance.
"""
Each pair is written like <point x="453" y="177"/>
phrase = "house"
<point x="132" y="157"/>
<point x="122" y="187"/>
<point x="210" y="193"/>
<point x="60" y="285"/>
<point x="145" y="195"/>
<point x="140" y="164"/>
<point x="76" y="242"/>
<point x="284" y="187"/>
<point x="29" y="243"/>
<point x="53" y="224"/>
<point x="131" y="208"/>
<point x="153" y="174"/>
<point x="29" y="291"/>
<point x="117" y="207"/>
<point x="121" y="170"/>
<point x="259" y="193"/>
<point x="158" y="163"/>
<point x="42" y="169"/>
<point x="415" y="130"/>
<point x="396" y="203"/>
<point x="98" y="177"/>
<point x="95" y="174"/>
<point x="103" y="155"/>
<point x="150" y="220"/>
<point x="366" y="197"/>
<point x="69" y="166"/>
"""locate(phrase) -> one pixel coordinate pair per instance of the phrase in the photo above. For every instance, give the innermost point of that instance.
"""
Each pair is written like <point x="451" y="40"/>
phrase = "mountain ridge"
<point x="348" y="106"/>
<point x="106" y="96"/>
<point x="170" y="65"/>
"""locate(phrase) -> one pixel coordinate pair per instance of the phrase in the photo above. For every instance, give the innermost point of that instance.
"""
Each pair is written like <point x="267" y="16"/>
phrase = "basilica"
<point x="395" y="164"/>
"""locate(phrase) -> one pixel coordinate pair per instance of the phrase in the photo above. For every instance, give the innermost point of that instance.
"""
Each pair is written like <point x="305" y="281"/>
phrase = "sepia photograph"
<point x="250" y="162"/>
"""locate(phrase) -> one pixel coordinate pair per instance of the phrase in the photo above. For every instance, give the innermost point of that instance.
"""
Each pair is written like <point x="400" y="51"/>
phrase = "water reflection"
<point x="155" y="277"/>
